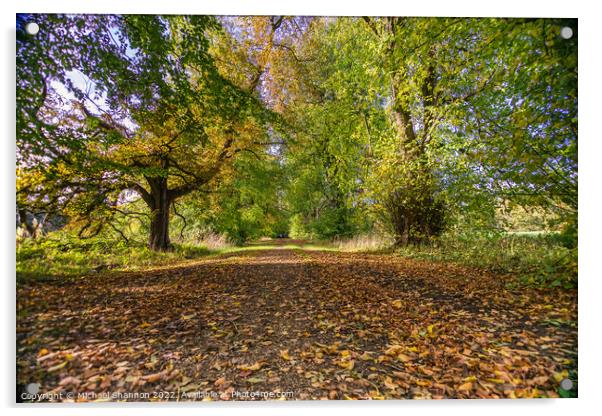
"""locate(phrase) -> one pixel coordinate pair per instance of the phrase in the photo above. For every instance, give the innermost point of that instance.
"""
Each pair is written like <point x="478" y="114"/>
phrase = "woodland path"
<point x="319" y="324"/>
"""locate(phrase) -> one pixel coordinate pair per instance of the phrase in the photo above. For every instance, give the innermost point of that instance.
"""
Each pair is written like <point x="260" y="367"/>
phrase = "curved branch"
<point x="119" y="232"/>
<point x="173" y="205"/>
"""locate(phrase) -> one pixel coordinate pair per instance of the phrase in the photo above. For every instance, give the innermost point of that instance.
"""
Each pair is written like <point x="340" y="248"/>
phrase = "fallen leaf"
<point x="253" y="367"/>
<point x="390" y="384"/>
<point x="57" y="367"/>
<point x="393" y="350"/>
<point x="255" y="380"/>
<point x="69" y="380"/>
<point x="465" y="387"/>
<point x="346" y="364"/>
<point x="151" y="378"/>
<point x="404" y="358"/>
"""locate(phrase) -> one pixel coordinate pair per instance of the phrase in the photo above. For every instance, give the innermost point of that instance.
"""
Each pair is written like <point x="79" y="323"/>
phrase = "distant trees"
<point x="420" y="118"/>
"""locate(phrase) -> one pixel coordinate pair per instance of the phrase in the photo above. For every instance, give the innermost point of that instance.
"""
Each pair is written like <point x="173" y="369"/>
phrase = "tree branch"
<point x="371" y="25"/>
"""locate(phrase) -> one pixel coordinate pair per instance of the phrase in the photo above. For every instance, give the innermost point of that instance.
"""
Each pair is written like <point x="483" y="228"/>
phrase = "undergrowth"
<point x="544" y="260"/>
<point x="63" y="254"/>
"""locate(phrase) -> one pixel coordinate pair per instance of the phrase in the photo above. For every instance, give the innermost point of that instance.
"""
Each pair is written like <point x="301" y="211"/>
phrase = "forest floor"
<point x="286" y="323"/>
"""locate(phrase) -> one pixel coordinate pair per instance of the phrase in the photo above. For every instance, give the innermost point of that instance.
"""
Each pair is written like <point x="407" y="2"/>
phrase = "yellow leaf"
<point x="560" y="376"/>
<point x="253" y="367"/>
<point x="396" y="303"/>
<point x="42" y="352"/>
<point x="284" y="355"/>
<point x="404" y="358"/>
<point x="57" y="367"/>
<point x="131" y="379"/>
<point x="255" y="380"/>
<point x="393" y="350"/>
<point x="390" y="384"/>
<point x="470" y="378"/>
<point x="495" y="380"/>
<point x="465" y="387"/>
<point x="346" y="364"/>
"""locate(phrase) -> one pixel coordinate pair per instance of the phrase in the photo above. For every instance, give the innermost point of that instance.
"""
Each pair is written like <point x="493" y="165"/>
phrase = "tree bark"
<point x="414" y="210"/>
<point x="159" y="226"/>
<point x="31" y="231"/>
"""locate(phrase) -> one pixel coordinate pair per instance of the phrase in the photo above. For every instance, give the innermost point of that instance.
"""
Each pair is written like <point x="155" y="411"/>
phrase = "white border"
<point x="590" y="152"/>
<point x="507" y="8"/>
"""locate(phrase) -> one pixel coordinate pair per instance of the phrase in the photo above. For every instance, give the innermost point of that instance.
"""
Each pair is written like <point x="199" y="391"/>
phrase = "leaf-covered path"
<point x="294" y="324"/>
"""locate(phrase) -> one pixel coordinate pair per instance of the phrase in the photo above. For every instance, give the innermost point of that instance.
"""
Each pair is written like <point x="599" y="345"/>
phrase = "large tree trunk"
<point x="414" y="209"/>
<point x="159" y="227"/>
<point x="28" y="227"/>
<point x="159" y="230"/>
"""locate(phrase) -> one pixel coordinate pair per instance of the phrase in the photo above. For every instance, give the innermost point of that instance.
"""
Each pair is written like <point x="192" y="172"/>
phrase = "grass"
<point x="212" y="241"/>
<point x="61" y="254"/>
<point x="274" y="244"/>
<point x="536" y="259"/>
<point x="364" y="242"/>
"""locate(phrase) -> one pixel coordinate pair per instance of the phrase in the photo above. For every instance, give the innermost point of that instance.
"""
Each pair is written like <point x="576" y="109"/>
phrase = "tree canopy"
<point x="156" y="114"/>
<point x="321" y="127"/>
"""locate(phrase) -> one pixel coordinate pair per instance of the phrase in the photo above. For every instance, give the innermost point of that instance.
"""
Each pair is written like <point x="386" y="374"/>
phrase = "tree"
<point x="124" y="106"/>
<point x="313" y="87"/>
<point x="499" y="94"/>
<point x="414" y="123"/>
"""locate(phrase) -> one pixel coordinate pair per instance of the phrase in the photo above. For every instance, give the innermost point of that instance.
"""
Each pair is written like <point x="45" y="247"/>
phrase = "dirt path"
<point x="294" y="324"/>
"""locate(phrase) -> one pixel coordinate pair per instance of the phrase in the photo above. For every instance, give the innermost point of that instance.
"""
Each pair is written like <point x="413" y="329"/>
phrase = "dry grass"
<point x="214" y="241"/>
<point x="364" y="242"/>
